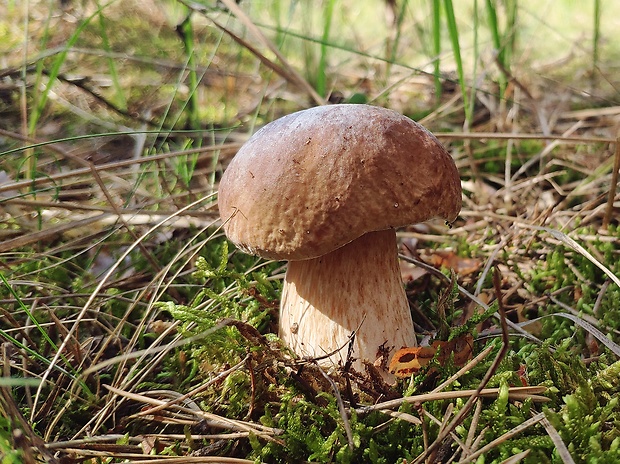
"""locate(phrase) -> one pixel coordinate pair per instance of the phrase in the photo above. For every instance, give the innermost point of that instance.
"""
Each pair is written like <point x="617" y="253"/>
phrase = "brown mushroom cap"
<point x="313" y="181"/>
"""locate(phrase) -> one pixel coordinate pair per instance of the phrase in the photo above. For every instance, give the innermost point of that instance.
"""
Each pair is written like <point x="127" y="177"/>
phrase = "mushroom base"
<point x="356" y="288"/>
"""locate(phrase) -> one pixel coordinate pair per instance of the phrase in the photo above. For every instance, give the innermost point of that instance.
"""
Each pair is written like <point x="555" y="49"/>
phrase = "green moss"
<point x="589" y="419"/>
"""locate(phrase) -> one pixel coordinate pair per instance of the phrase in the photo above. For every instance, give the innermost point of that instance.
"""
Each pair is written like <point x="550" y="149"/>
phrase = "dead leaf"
<point x="462" y="266"/>
<point x="410" y="360"/>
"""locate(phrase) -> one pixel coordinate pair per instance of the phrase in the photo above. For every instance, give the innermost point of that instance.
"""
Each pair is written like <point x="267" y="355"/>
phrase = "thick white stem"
<point x="326" y="299"/>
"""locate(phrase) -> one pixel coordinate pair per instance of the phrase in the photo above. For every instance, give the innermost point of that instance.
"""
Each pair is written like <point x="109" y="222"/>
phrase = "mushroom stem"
<point x="325" y="299"/>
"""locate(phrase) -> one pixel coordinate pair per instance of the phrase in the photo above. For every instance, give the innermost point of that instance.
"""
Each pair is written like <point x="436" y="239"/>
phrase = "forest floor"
<point x="133" y="331"/>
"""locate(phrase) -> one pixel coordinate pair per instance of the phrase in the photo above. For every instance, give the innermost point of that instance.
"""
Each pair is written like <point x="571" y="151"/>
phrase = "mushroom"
<point x="325" y="188"/>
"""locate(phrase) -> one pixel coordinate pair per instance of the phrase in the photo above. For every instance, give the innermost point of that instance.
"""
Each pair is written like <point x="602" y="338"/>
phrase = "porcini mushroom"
<point x="325" y="188"/>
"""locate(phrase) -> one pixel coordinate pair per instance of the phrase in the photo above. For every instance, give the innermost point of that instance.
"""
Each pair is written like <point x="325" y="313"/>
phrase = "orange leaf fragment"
<point x="409" y="360"/>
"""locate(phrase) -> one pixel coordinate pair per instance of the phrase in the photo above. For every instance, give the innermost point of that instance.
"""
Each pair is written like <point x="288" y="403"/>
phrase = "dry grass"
<point x="107" y="201"/>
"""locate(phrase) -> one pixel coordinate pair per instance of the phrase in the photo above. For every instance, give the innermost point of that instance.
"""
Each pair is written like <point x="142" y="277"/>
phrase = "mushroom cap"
<point x="315" y="180"/>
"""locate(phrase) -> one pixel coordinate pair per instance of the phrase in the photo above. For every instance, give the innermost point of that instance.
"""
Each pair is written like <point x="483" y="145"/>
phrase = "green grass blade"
<point x="55" y="69"/>
<point x="494" y="29"/>
<point x="596" y="36"/>
<point x="120" y="100"/>
<point x="456" y="48"/>
<point x="18" y="382"/>
<point x="321" y="78"/>
<point x="497" y="43"/>
<point x="436" y="30"/>
<point x="31" y="317"/>
<point x="187" y="33"/>
<point x="472" y="96"/>
<point x="503" y="42"/>
<point x="72" y="373"/>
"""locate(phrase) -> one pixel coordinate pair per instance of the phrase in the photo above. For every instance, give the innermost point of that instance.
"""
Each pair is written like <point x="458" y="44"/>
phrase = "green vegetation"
<point x="132" y="328"/>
